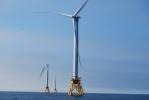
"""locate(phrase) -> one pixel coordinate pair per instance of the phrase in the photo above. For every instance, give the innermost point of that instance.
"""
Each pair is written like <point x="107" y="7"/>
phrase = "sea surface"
<point x="64" y="96"/>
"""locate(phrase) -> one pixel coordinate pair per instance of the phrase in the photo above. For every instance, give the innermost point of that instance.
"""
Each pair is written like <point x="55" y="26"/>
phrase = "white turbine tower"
<point x="75" y="82"/>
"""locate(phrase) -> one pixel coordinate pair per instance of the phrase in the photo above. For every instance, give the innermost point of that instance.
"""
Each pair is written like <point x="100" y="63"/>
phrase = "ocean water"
<point x="64" y="96"/>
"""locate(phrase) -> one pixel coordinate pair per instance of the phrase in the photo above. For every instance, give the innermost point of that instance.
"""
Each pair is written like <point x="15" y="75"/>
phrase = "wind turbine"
<point x="46" y="67"/>
<point x="75" y="82"/>
<point x="55" y="89"/>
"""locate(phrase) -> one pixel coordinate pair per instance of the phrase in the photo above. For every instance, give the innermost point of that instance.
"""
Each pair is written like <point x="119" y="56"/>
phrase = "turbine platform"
<point x="75" y="84"/>
<point x="47" y="90"/>
<point x="55" y="90"/>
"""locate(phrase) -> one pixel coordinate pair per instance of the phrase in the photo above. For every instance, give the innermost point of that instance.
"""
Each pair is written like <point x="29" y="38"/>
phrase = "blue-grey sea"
<point x="64" y="96"/>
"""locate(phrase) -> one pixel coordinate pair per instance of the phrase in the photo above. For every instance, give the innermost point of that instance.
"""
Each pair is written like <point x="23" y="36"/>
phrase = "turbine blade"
<point x="41" y="12"/>
<point x="42" y="71"/>
<point x="47" y="66"/>
<point x="67" y="15"/>
<point x="77" y="12"/>
<point x="44" y="12"/>
<point x="80" y="61"/>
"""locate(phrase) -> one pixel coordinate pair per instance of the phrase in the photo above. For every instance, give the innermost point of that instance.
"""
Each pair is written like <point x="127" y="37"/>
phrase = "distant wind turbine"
<point x="55" y="89"/>
<point x="46" y="67"/>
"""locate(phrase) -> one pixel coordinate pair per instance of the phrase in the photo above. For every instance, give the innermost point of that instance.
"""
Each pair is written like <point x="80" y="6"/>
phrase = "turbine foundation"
<point x="47" y="90"/>
<point x="55" y="90"/>
<point x="75" y="84"/>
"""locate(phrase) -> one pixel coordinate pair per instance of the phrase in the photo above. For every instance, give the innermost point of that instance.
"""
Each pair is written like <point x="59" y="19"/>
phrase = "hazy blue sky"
<point x="114" y="45"/>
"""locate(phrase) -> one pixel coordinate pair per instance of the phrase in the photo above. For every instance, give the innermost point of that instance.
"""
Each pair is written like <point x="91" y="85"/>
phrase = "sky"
<point x="114" y="48"/>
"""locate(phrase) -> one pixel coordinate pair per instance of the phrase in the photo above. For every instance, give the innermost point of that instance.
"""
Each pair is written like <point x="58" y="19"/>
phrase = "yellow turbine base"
<point x="75" y="84"/>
